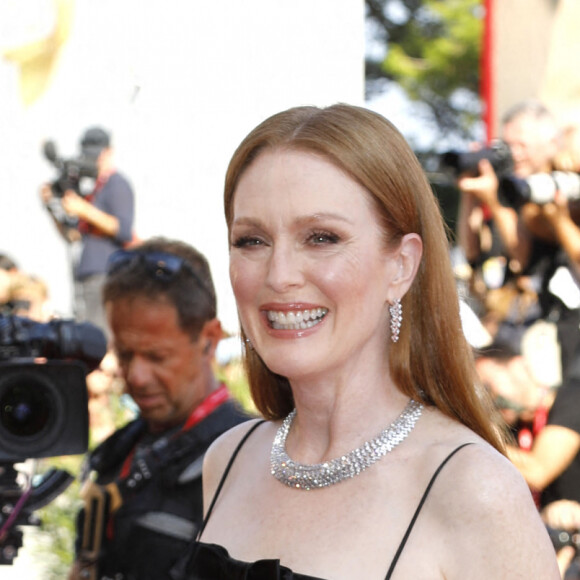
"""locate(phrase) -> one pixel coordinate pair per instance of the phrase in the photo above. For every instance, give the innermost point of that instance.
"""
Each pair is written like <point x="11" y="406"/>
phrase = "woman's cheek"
<point x="243" y="277"/>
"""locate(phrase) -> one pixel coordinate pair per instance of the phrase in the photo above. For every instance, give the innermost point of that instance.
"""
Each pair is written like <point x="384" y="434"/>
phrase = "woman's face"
<point x="309" y="267"/>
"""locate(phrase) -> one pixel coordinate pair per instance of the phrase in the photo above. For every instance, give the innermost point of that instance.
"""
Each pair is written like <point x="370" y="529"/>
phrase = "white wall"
<point x="179" y="83"/>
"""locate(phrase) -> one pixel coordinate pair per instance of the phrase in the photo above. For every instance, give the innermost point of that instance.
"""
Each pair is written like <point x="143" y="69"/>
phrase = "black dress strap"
<point x="419" y="507"/>
<point x="224" y="476"/>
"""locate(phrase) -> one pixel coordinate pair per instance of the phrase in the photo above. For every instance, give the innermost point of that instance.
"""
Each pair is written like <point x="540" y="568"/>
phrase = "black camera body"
<point x="43" y="412"/>
<point x="43" y="392"/>
<point x="466" y="163"/>
<point x="70" y="171"/>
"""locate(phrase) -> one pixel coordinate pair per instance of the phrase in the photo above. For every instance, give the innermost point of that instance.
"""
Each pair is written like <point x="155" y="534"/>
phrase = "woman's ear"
<point x="408" y="257"/>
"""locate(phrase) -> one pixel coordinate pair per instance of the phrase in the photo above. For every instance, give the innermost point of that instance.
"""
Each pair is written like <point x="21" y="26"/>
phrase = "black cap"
<point x="94" y="141"/>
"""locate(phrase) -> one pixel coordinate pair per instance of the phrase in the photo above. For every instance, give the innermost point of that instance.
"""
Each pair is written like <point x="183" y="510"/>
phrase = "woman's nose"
<point x="285" y="268"/>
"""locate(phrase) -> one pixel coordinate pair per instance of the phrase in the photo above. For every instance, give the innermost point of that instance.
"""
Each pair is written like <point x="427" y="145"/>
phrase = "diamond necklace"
<point x="303" y="476"/>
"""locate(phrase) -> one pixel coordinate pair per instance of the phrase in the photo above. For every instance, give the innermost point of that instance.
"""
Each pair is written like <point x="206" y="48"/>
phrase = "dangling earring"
<point x="396" y="311"/>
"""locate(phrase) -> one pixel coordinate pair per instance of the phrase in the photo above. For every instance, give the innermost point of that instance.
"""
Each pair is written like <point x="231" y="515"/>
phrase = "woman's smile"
<point x="295" y="319"/>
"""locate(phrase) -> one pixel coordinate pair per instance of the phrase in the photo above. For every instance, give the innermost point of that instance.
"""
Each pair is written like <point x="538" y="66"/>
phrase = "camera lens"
<point x="43" y="409"/>
<point x="25" y="408"/>
<point x="32" y="411"/>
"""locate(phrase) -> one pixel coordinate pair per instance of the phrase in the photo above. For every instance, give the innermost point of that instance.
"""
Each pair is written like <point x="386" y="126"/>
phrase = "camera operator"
<point x="146" y="478"/>
<point x="104" y="224"/>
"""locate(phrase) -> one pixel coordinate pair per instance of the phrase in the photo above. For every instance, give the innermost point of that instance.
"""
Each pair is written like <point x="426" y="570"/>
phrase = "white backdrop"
<point x="178" y="83"/>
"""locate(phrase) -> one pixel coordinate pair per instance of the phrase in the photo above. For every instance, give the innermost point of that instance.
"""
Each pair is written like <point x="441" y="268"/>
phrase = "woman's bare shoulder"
<point x="221" y="450"/>
<point x="475" y="473"/>
<point x="489" y="503"/>
<point x="483" y="474"/>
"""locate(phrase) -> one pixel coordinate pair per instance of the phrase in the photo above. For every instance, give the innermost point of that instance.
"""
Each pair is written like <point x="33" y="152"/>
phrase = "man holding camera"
<point x="531" y="134"/>
<point x="143" y="497"/>
<point x="536" y="281"/>
<point x="104" y="223"/>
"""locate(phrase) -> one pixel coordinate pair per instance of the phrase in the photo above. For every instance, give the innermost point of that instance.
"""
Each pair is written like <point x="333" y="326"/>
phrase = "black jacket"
<point x="161" y="498"/>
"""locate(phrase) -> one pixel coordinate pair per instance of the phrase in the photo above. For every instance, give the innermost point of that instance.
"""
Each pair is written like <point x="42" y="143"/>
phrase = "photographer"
<point x="531" y="134"/>
<point x="104" y="223"/>
<point x="144" y="496"/>
<point x="537" y="281"/>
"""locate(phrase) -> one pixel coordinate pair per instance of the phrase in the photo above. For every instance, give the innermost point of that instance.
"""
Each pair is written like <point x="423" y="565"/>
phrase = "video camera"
<point x="43" y="411"/>
<point x="71" y="171"/>
<point x="458" y="163"/>
<point x="539" y="188"/>
<point x="70" y="177"/>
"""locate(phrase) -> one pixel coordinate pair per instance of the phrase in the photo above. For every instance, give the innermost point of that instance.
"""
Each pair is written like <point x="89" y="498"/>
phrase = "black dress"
<point x="213" y="562"/>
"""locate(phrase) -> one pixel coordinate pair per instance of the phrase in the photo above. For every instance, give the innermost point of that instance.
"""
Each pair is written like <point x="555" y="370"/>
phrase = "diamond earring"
<point x="396" y="312"/>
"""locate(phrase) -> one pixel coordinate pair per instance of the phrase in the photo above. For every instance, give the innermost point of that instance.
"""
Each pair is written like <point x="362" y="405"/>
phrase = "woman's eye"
<point x="246" y="241"/>
<point x="318" y="238"/>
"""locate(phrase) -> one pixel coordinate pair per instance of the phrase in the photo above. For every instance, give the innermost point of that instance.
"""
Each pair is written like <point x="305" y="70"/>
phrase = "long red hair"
<point x="432" y="360"/>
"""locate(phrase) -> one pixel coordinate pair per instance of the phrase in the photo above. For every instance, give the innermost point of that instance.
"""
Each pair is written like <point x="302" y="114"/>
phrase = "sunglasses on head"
<point x="160" y="265"/>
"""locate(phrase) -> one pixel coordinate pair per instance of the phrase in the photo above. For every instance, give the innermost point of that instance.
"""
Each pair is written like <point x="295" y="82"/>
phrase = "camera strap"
<point x="97" y="502"/>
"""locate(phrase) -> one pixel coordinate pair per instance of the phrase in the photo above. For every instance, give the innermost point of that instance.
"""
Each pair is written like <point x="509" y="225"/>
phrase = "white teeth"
<point x="299" y="320"/>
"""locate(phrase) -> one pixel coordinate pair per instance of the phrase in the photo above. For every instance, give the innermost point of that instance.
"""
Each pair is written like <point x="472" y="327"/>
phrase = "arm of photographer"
<point x="484" y="188"/>
<point x="76" y="206"/>
<point x="554" y="449"/>
<point x="562" y="514"/>
<point x="557" y="445"/>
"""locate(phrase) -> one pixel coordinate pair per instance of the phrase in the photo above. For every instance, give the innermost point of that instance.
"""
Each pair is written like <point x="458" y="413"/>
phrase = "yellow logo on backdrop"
<point x="37" y="58"/>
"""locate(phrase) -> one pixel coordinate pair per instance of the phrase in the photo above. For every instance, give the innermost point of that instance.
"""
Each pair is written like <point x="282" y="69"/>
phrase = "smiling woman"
<point x="291" y="254"/>
<point x="340" y="269"/>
